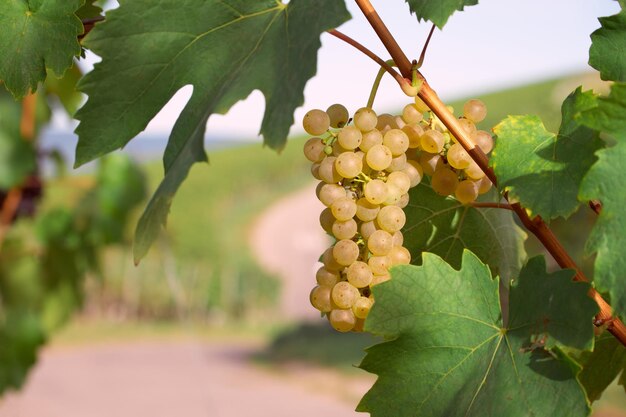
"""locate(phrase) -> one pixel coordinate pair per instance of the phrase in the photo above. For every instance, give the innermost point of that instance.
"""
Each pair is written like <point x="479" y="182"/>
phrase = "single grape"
<point x="359" y="274"/>
<point x="483" y="140"/>
<point x="467" y="191"/>
<point x="371" y="138"/>
<point x="474" y="171"/>
<point x="338" y="115"/>
<point x="379" y="264"/>
<point x="430" y="162"/>
<point x="393" y="194"/>
<point x="468" y="126"/>
<point x="397" y="141"/>
<point x="344" y="294"/>
<point x="398" y="163"/>
<point x="345" y="252"/>
<point x="375" y="191"/>
<point x="411" y="115"/>
<point x="366" y="211"/>
<point x="327" y="172"/>
<point x="344" y="229"/>
<point x="386" y="122"/>
<point x="457" y="157"/>
<point x="320" y="298"/>
<point x="314" y="150"/>
<point x="484" y="185"/>
<point x="401" y="180"/>
<point x="444" y="181"/>
<point x="349" y="164"/>
<point x="420" y="105"/>
<point x="329" y="261"/>
<point x="432" y="141"/>
<point x="316" y="122"/>
<point x="391" y="218"/>
<point x="380" y="243"/>
<point x="414" y="133"/>
<point x="315" y="171"/>
<point x="327" y="220"/>
<point x="397" y="239"/>
<point x="399" y="255"/>
<point x="329" y="193"/>
<point x="350" y="137"/>
<point x="342" y="320"/>
<point x="361" y="307"/>
<point x="337" y="149"/>
<point x="403" y="201"/>
<point x="343" y="208"/>
<point x="367" y="228"/>
<point x="326" y="278"/>
<point x="365" y="119"/>
<point x="414" y="171"/>
<point x="475" y="110"/>
<point x="378" y="157"/>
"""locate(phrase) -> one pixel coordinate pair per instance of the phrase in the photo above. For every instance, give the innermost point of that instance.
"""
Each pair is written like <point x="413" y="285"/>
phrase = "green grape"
<point x="359" y="274"/>
<point x="345" y="252"/>
<point x="379" y="279"/>
<point x="361" y="307"/>
<point x="411" y="114"/>
<point x="349" y="164"/>
<point x="474" y="172"/>
<point x="391" y="219"/>
<point x="316" y="122"/>
<point x="457" y="157"/>
<point x="327" y="172"/>
<point x="385" y="122"/>
<point x="393" y="194"/>
<point x="475" y="110"/>
<point x="366" y="211"/>
<point x="378" y="157"/>
<point x="403" y="201"/>
<point x="414" y="133"/>
<point x="342" y="320"/>
<point x="367" y="228"/>
<point x="370" y="139"/>
<point x="483" y="140"/>
<point x="467" y="191"/>
<point x="350" y="137"/>
<point x="401" y="180"/>
<point x="329" y="261"/>
<point x="337" y="149"/>
<point x="397" y="141"/>
<point x="432" y="141"/>
<point x="398" y="163"/>
<point x="326" y="278"/>
<point x="379" y="264"/>
<point x="314" y="150"/>
<point x="327" y="220"/>
<point x="420" y="105"/>
<point x="399" y="255"/>
<point x="365" y="119"/>
<point x="344" y="229"/>
<point x="329" y="193"/>
<point x="375" y="191"/>
<point x="380" y="243"/>
<point x="344" y="294"/>
<point x="397" y="239"/>
<point x="315" y="171"/>
<point x="444" y="181"/>
<point x="343" y="208"/>
<point x="468" y="126"/>
<point x="430" y="162"/>
<point x="414" y="171"/>
<point x="320" y="298"/>
<point x="400" y="122"/>
<point x="338" y="115"/>
<point x="484" y="185"/>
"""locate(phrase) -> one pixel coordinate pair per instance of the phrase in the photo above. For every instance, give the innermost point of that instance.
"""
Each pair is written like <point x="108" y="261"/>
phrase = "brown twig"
<point x="425" y="48"/>
<point x="596" y="206"/>
<point x="535" y="225"/>
<point x="27" y="122"/>
<point x="88" y="24"/>
<point x="478" y="204"/>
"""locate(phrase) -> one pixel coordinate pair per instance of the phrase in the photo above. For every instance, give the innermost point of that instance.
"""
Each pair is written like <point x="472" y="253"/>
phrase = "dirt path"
<point x="164" y="380"/>
<point x="287" y="240"/>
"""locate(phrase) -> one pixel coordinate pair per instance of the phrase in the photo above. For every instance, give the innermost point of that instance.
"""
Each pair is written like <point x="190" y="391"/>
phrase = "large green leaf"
<point x="36" y="35"/>
<point x="605" y="182"/>
<point x="438" y="11"/>
<point x="445" y="227"/>
<point x="224" y="49"/>
<point x="542" y="170"/>
<point x="603" y="365"/>
<point x="449" y="353"/>
<point x="608" y="47"/>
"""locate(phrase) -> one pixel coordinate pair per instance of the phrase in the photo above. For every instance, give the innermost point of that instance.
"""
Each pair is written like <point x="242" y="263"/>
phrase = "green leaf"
<point x="438" y="11"/>
<point x="65" y="89"/>
<point x="603" y="365"/>
<point x="224" y="49"/>
<point x="542" y="170"/>
<point x="608" y="47"/>
<point x="37" y="35"/>
<point x="605" y="182"/>
<point x="445" y="227"/>
<point x="449" y="353"/>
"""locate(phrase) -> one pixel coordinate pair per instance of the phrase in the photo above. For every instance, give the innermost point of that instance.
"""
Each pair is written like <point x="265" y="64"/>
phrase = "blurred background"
<point x="216" y="319"/>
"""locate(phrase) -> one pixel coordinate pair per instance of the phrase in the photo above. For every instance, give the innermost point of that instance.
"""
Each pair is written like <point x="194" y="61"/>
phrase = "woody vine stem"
<point x="535" y="225"/>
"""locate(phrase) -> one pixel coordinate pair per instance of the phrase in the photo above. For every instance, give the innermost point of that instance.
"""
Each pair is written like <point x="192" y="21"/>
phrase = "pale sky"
<point x="496" y="44"/>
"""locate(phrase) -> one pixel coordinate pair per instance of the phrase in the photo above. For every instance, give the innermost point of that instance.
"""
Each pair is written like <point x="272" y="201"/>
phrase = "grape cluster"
<point x="366" y="169"/>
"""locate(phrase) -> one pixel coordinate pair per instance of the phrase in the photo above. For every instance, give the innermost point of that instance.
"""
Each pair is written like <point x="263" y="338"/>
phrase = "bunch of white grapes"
<point x="366" y="166"/>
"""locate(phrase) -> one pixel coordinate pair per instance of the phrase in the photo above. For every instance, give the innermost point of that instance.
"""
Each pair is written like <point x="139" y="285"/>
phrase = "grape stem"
<point x="477" y="204"/>
<point x="536" y="225"/>
<point x="423" y="54"/>
<point x="379" y="77"/>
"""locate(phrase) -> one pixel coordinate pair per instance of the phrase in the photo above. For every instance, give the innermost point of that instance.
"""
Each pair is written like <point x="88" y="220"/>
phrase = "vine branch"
<point x="478" y="204"/>
<point x="535" y="225"/>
